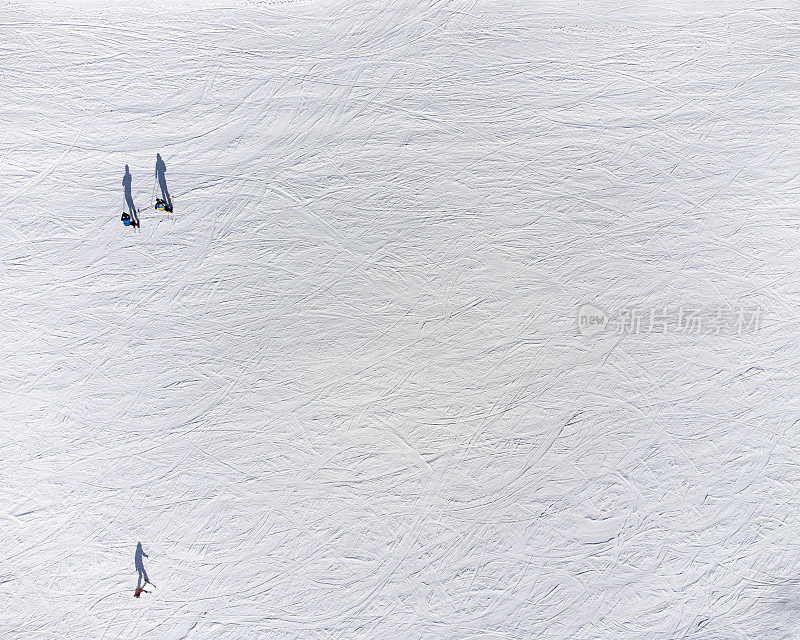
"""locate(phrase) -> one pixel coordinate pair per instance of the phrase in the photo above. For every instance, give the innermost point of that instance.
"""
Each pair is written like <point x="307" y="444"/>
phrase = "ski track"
<point x="341" y="394"/>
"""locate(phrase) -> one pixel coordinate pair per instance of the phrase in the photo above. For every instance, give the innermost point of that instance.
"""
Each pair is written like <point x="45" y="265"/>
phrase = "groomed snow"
<point x="342" y="393"/>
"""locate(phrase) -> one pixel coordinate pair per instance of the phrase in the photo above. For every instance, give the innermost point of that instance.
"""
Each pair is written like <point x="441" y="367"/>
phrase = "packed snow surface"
<point x="343" y="392"/>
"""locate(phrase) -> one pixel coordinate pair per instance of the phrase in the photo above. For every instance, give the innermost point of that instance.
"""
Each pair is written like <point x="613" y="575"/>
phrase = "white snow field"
<point x="343" y="393"/>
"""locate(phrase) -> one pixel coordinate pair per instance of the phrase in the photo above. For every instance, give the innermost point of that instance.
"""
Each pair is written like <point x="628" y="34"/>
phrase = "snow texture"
<point x="341" y="393"/>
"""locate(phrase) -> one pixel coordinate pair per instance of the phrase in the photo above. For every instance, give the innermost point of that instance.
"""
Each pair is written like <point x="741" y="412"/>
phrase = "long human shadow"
<point x="161" y="170"/>
<point x="139" y="562"/>
<point x="127" y="180"/>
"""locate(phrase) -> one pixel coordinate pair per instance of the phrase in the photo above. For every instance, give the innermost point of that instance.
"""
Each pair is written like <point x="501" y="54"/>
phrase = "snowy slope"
<point x="342" y="394"/>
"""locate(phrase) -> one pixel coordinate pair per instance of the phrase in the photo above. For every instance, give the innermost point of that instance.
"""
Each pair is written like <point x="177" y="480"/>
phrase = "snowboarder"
<point x="164" y="203"/>
<point x="129" y="218"/>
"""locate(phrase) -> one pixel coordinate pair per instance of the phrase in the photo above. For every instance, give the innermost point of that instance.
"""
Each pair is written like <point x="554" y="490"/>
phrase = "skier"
<point x="129" y="218"/>
<point x="164" y="203"/>
<point x="139" y="591"/>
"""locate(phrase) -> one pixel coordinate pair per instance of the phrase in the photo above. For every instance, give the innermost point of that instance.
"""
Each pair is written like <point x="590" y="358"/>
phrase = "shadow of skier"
<point x="161" y="170"/>
<point x="127" y="180"/>
<point x="139" y="563"/>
